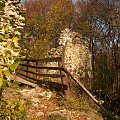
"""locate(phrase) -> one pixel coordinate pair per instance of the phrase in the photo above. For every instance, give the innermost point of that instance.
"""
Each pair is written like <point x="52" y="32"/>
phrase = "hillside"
<point x="44" y="104"/>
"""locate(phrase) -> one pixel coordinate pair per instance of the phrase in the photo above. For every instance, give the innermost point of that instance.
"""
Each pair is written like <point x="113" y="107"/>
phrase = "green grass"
<point x="57" y="117"/>
<point x="74" y="103"/>
<point x="12" y="110"/>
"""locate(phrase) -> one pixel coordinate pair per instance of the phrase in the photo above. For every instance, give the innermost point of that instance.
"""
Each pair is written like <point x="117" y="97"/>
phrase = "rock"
<point x="46" y="95"/>
<point x="29" y="93"/>
<point x="58" y="115"/>
<point x="56" y="112"/>
<point x="35" y="100"/>
<point x="36" y="104"/>
<point x="63" y="111"/>
<point x="40" y="114"/>
<point x="76" y="55"/>
<point x="22" y="101"/>
<point x="89" y="118"/>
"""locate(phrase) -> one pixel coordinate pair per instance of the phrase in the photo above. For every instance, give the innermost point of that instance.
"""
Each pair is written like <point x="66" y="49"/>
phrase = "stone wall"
<point x="75" y="52"/>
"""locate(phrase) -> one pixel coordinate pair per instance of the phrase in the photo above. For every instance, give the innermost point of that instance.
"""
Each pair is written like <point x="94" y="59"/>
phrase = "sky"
<point x="74" y="1"/>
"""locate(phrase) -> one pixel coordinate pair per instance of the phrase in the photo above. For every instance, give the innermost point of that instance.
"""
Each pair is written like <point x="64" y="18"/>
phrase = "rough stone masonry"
<point x="76" y="55"/>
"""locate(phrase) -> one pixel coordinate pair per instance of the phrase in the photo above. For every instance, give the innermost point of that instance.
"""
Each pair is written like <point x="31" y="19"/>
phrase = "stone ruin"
<point x="76" y="55"/>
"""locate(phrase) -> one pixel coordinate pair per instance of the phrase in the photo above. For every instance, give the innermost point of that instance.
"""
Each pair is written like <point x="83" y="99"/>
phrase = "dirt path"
<point x="44" y="105"/>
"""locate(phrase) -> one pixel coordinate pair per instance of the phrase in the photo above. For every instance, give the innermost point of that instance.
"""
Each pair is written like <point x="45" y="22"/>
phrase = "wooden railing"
<point x="64" y="75"/>
<point x="31" y="70"/>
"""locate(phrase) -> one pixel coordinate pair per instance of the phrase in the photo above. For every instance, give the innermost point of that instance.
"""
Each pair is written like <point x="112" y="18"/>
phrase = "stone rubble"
<point x="34" y="93"/>
<point x="39" y="114"/>
<point x="43" y="107"/>
<point x="46" y="95"/>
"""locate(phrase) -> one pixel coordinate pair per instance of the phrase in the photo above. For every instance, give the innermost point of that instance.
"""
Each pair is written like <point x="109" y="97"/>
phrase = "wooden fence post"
<point x="36" y="70"/>
<point x="17" y="70"/>
<point x="60" y="64"/>
<point x="68" y="91"/>
<point x="27" y="69"/>
<point x="65" y="80"/>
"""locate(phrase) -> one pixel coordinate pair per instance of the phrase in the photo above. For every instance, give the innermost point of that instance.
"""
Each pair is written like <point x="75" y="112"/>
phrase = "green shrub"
<point x="12" y="110"/>
<point x="57" y="117"/>
<point x="74" y="103"/>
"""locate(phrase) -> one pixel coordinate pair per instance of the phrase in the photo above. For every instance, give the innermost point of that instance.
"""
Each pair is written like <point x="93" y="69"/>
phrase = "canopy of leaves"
<point x="97" y="20"/>
<point x="45" y="23"/>
<point x="101" y="20"/>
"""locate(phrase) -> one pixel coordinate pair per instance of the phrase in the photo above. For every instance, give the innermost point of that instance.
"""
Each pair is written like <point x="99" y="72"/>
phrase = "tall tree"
<point x="102" y="18"/>
<point x="44" y="22"/>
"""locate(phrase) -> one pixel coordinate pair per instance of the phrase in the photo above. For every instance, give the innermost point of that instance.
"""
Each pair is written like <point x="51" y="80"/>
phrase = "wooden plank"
<point x="50" y="68"/>
<point x="48" y="84"/>
<point x="21" y="80"/>
<point x="45" y="75"/>
<point x="52" y="75"/>
<point x="32" y="79"/>
<point x="44" y="59"/>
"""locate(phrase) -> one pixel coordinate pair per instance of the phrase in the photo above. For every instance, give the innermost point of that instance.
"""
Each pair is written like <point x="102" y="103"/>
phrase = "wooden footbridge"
<point x="30" y="72"/>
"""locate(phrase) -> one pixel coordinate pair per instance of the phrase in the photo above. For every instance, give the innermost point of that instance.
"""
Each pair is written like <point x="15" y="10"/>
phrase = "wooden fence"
<point x="65" y="76"/>
<point x="31" y="70"/>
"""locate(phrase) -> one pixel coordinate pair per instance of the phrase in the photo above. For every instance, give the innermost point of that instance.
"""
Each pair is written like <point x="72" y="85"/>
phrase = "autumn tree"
<point x="101" y="20"/>
<point x="62" y="15"/>
<point x="35" y="37"/>
<point x="44" y="22"/>
<point x="11" y="24"/>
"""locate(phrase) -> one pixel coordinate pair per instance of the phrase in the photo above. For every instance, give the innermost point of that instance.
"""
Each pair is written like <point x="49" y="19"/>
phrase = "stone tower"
<point x="75" y="52"/>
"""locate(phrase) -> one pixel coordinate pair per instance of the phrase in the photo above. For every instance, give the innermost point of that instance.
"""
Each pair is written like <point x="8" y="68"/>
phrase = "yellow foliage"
<point x="0" y="72"/>
<point x="1" y="80"/>
<point x="101" y="102"/>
